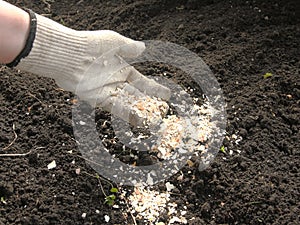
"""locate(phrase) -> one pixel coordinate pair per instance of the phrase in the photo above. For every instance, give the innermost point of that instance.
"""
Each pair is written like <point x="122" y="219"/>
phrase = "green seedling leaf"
<point x="222" y="149"/>
<point x="110" y="200"/>
<point x="2" y="199"/>
<point x="112" y="197"/>
<point x="114" y="190"/>
<point x="266" y="75"/>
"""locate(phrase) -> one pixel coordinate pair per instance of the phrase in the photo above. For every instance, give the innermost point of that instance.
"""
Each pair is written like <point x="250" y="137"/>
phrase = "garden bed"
<point x="253" y="180"/>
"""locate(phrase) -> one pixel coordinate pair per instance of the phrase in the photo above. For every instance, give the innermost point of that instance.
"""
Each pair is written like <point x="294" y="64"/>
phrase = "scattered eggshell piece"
<point x="51" y="165"/>
<point x="106" y="218"/>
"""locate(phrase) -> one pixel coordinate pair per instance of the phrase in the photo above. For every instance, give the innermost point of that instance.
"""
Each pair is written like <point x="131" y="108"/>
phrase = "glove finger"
<point x="104" y="41"/>
<point x="133" y="91"/>
<point x="94" y="89"/>
<point x="122" y="109"/>
<point x="131" y="49"/>
<point x="148" y="86"/>
<point x="130" y="104"/>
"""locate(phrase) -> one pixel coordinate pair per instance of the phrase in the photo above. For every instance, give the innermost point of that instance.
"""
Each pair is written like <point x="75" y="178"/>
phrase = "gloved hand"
<point x="65" y="55"/>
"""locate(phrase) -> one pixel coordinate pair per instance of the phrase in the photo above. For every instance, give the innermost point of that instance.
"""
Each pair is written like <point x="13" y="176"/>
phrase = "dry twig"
<point x="132" y="216"/>
<point x="13" y="141"/>
<point x="15" y="154"/>
<point x="19" y="154"/>
<point x="32" y="95"/>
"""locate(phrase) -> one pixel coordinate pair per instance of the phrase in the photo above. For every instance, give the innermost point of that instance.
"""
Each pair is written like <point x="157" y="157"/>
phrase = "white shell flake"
<point x="106" y="218"/>
<point x="148" y="205"/>
<point x="177" y="136"/>
<point x="51" y="165"/>
<point x="169" y="186"/>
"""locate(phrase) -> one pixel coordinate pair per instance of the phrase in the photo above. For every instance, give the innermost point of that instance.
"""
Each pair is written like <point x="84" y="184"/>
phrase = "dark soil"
<point x="255" y="182"/>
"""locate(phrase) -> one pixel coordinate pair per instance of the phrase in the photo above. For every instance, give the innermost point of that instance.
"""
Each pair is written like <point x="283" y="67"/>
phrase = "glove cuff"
<point x="56" y="50"/>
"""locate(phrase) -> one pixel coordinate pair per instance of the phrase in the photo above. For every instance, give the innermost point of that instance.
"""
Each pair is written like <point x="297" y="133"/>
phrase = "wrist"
<point x="14" y="30"/>
<point x="26" y="42"/>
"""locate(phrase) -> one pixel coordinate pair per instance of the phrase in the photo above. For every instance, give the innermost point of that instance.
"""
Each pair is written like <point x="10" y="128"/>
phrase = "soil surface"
<point x="255" y="181"/>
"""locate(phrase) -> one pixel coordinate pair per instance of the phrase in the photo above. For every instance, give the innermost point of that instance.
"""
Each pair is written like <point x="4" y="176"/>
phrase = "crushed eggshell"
<point x="180" y="220"/>
<point x="148" y="205"/>
<point x="106" y="218"/>
<point x="185" y="134"/>
<point x="171" y="135"/>
<point x="190" y="163"/>
<point x="51" y="165"/>
<point x="176" y="134"/>
<point x="77" y="171"/>
<point x="169" y="186"/>
<point x="151" y="109"/>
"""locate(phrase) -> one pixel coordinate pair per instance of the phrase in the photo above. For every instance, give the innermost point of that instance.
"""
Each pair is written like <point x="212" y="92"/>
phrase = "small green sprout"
<point x="2" y="199"/>
<point x="110" y="199"/>
<point x="62" y="21"/>
<point x="114" y="190"/>
<point x="222" y="149"/>
<point x="266" y="75"/>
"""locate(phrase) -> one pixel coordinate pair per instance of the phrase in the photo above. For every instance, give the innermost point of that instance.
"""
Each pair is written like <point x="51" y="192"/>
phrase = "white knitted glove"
<point x="65" y="55"/>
